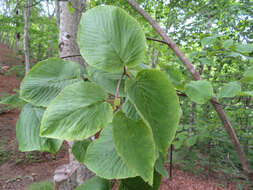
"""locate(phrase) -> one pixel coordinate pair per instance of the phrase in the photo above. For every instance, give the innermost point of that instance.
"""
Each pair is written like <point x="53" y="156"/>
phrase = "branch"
<point x="195" y="74"/>
<point x="156" y="40"/>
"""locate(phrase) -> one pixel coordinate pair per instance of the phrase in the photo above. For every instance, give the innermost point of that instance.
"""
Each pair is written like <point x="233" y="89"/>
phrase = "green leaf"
<point x="175" y="75"/>
<point x="46" y="79"/>
<point x="208" y="40"/>
<point x="159" y="166"/>
<point x="95" y="183"/>
<point x="27" y="131"/>
<point x="130" y="111"/>
<point x="110" y="39"/>
<point x="79" y="149"/>
<point x="156" y="101"/>
<point x="190" y="141"/>
<point x="230" y="90"/>
<point x="227" y="44"/>
<point x="102" y="158"/>
<point x="244" y="48"/>
<point x="206" y="61"/>
<point x="199" y="91"/>
<point x="248" y="75"/>
<point x="134" y="143"/>
<point x="106" y="80"/>
<point x="13" y="100"/>
<point x="138" y="184"/>
<point x="77" y="113"/>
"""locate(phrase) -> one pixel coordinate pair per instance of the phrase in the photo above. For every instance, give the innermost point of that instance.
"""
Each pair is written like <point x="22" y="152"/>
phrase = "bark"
<point x="26" y="35"/>
<point x="68" y="176"/>
<point x="196" y="75"/>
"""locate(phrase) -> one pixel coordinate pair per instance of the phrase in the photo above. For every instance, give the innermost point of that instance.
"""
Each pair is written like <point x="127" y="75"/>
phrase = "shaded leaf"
<point x="138" y="184"/>
<point x="159" y="166"/>
<point x="199" y="91"/>
<point x="208" y="41"/>
<point x="46" y="79"/>
<point x="77" y="113"/>
<point x="110" y="38"/>
<point x="27" y="131"/>
<point x="244" y="48"/>
<point x="134" y="143"/>
<point x="106" y="80"/>
<point x="230" y="90"/>
<point x="79" y="149"/>
<point x="175" y="75"/>
<point x="102" y="158"/>
<point x="157" y="103"/>
<point x="95" y="183"/>
<point x="130" y="111"/>
<point x="228" y="43"/>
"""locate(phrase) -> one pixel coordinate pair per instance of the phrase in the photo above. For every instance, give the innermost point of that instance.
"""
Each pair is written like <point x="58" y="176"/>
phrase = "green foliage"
<point x="46" y="79"/>
<point x="28" y="127"/>
<point x="110" y="39"/>
<point x="156" y="102"/>
<point x="230" y="90"/>
<point x="199" y="91"/>
<point x="135" y="144"/>
<point x="79" y="118"/>
<point x="102" y="158"/>
<point x="44" y="185"/>
<point x="95" y="183"/>
<point x="79" y="149"/>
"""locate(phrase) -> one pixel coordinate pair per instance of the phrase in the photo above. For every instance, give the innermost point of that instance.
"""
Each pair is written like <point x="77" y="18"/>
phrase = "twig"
<point x="195" y="74"/>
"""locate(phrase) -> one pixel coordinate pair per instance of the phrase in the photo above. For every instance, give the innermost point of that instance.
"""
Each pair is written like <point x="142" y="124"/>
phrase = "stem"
<point x="196" y="75"/>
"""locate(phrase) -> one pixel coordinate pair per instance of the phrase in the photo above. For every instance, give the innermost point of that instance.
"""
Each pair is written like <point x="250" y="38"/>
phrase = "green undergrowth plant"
<point x="43" y="185"/>
<point x="136" y="110"/>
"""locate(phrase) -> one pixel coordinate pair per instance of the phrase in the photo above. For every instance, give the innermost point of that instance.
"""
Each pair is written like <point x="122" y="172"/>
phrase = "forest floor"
<point x="18" y="170"/>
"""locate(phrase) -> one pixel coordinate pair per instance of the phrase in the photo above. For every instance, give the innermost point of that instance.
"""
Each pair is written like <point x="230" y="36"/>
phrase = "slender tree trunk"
<point x="67" y="177"/>
<point x="26" y="35"/>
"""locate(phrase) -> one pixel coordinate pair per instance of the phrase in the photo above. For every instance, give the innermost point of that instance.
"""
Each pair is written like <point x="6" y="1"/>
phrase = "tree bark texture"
<point x="68" y="176"/>
<point x="26" y="35"/>
<point x="196" y="75"/>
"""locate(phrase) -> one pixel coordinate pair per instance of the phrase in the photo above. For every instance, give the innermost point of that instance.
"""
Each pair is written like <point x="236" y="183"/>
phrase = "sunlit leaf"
<point x="77" y="113"/>
<point x="109" y="39"/>
<point x="46" y="79"/>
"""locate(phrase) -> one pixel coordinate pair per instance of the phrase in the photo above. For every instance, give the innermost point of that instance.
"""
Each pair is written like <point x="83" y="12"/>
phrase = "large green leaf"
<point x="199" y="91"/>
<point x="109" y="39"/>
<point x="230" y="90"/>
<point x="28" y="129"/>
<point x="95" y="183"/>
<point x="157" y="103"/>
<point x="175" y="76"/>
<point x="138" y="184"/>
<point x="106" y="80"/>
<point x="103" y="159"/>
<point x="46" y="79"/>
<point x="134" y="143"/>
<point x="79" y="149"/>
<point x="77" y="113"/>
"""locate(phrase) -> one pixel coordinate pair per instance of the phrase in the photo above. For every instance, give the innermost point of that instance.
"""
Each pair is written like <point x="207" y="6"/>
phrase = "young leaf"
<point x="95" y="183"/>
<point x="46" y="79"/>
<point x="79" y="149"/>
<point x="109" y="39"/>
<point x="199" y="91"/>
<point x="157" y="103"/>
<point x="106" y="80"/>
<point x="138" y="184"/>
<point x="27" y="131"/>
<point x="134" y="142"/>
<point x="230" y="90"/>
<point x="102" y="158"/>
<point x="77" y="113"/>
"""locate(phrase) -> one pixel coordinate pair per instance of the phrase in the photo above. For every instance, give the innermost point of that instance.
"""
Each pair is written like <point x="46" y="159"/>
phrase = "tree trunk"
<point x="67" y="177"/>
<point x="26" y="35"/>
